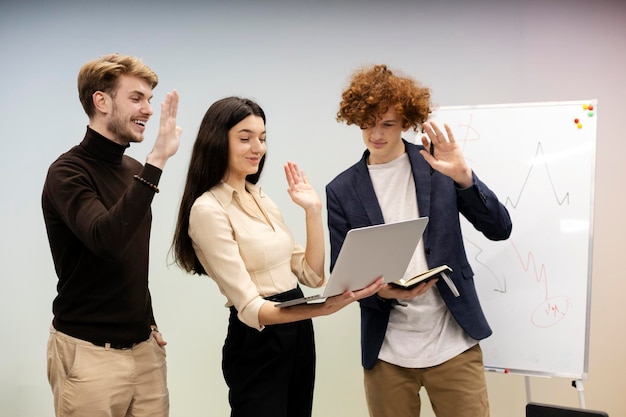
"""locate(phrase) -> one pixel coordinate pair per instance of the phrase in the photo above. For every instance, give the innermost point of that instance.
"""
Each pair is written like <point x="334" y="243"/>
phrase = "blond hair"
<point x="102" y="75"/>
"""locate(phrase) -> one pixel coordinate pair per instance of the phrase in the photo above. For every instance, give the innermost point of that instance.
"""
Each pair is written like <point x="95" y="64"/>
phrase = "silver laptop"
<point x="368" y="253"/>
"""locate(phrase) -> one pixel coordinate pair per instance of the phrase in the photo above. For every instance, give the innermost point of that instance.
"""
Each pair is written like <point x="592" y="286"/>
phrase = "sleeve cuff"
<point x="151" y="173"/>
<point x="250" y="314"/>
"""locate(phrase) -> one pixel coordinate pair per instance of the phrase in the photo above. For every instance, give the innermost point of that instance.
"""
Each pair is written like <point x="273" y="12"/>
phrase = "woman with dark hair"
<point x="231" y="231"/>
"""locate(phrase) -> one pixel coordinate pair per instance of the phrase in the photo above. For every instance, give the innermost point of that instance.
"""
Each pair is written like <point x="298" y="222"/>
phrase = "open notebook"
<point x="368" y="253"/>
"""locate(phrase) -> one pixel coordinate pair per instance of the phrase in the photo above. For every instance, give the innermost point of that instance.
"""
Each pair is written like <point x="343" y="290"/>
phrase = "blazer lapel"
<point x="422" y="178"/>
<point x="365" y="189"/>
<point x="365" y="192"/>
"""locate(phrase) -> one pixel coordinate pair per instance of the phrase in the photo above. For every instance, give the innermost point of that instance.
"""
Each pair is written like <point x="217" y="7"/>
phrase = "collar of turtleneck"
<point x="102" y="148"/>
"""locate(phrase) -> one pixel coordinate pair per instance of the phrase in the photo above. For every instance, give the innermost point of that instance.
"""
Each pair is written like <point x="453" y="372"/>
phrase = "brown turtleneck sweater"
<point x="98" y="221"/>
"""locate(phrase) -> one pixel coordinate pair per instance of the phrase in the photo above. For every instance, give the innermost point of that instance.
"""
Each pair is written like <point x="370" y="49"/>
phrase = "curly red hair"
<point x="373" y="90"/>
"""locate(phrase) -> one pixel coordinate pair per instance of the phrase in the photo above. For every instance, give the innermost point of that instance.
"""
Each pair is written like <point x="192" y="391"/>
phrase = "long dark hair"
<point x="207" y="167"/>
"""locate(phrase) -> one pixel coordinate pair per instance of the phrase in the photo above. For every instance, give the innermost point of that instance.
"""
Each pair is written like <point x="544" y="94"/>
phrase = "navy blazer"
<point x="352" y="203"/>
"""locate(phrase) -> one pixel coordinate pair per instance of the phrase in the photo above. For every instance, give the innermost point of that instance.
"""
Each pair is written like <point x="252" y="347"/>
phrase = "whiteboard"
<point x="539" y="159"/>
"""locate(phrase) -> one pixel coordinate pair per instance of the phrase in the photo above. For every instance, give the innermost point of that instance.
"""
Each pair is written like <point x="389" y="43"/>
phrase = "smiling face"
<point x="127" y="110"/>
<point x="384" y="139"/>
<point x="246" y="147"/>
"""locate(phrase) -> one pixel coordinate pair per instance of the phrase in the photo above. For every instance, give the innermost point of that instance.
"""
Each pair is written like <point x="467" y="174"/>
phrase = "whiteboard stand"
<point x="578" y="384"/>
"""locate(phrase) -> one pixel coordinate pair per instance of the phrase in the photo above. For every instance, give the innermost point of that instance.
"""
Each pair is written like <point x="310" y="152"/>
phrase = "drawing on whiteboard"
<point x="500" y="282"/>
<point x="539" y="159"/>
<point x="552" y="309"/>
<point x="469" y="133"/>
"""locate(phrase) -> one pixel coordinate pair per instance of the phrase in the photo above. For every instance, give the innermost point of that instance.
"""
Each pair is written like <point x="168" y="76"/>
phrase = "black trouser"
<point x="270" y="372"/>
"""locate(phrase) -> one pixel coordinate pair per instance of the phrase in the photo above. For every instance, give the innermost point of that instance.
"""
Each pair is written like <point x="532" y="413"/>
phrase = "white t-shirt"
<point x="423" y="333"/>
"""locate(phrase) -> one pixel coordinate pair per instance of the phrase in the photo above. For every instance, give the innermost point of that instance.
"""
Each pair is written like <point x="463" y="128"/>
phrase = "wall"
<point x="294" y="57"/>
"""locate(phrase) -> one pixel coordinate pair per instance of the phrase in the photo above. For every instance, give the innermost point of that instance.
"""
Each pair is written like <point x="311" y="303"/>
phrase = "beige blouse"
<point x="248" y="257"/>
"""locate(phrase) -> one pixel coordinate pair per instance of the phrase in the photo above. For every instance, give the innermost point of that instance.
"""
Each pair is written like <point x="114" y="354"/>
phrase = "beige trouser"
<point x="456" y="388"/>
<point x="93" y="381"/>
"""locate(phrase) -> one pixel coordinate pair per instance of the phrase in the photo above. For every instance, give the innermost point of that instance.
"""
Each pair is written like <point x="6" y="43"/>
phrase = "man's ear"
<point x="101" y="102"/>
